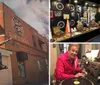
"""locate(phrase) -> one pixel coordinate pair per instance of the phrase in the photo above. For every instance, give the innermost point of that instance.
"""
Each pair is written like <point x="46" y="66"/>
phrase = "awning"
<point x="21" y="56"/>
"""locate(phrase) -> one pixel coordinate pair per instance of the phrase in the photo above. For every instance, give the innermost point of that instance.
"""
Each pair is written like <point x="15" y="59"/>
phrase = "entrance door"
<point x="6" y="74"/>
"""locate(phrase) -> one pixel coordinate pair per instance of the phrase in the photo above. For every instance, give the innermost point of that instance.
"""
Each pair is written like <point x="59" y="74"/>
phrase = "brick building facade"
<point x="29" y="58"/>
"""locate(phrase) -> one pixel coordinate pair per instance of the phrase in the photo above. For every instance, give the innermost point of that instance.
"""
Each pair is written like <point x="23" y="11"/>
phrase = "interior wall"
<point x="53" y="58"/>
<point x="87" y="47"/>
<point x="98" y="46"/>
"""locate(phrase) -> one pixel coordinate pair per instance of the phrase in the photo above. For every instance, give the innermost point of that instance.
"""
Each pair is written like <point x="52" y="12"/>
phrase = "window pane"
<point x="34" y="43"/>
<point x="21" y="69"/>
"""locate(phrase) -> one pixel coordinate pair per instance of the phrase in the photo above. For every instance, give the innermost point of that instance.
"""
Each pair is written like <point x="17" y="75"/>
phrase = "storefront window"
<point x="39" y="66"/>
<point x="34" y="43"/>
<point x="40" y="43"/>
<point x="46" y="61"/>
<point x="21" y="69"/>
<point x="43" y="45"/>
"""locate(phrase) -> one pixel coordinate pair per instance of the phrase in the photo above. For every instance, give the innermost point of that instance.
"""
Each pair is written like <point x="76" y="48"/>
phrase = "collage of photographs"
<point x="49" y="42"/>
<point x="75" y="42"/>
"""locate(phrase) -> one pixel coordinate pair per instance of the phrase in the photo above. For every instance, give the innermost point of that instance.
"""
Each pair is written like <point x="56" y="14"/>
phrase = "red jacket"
<point x="64" y="67"/>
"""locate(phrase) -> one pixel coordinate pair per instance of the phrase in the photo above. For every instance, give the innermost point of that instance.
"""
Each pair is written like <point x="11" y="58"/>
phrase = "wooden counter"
<point x="84" y="37"/>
